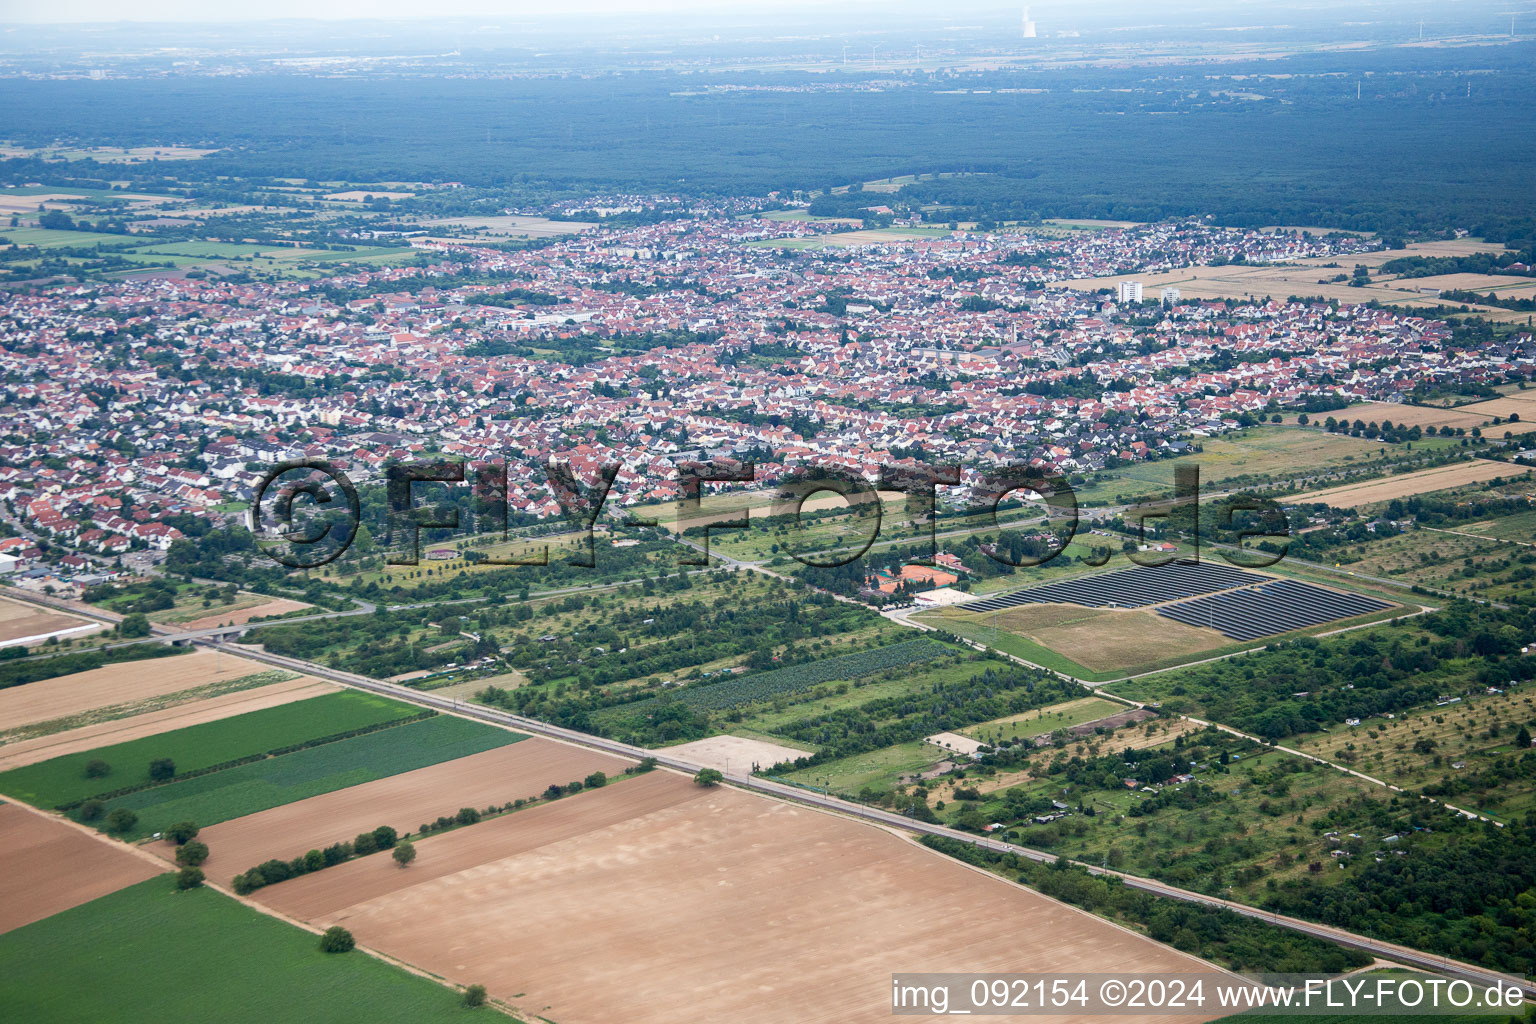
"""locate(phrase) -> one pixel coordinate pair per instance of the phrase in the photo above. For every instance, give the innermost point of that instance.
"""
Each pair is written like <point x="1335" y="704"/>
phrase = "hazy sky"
<point x="55" y="11"/>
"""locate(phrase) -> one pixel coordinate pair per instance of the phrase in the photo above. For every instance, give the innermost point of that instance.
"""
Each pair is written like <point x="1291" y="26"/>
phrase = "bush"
<point x="474" y="995"/>
<point x="189" y="877"/>
<point x="92" y="810"/>
<point x="596" y="780"/>
<point x="192" y="853"/>
<point x="384" y="837"/>
<point x="404" y="853"/>
<point x="162" y="769"/>
<point x="96" y="768"/>
<point x="709" y="777"/>
<point x="467" y="816"/>
<point x="121" y="820"/>
<point x="364" y="844"/>
<point x="337" y="940"/>
<point x="181" y="833"/>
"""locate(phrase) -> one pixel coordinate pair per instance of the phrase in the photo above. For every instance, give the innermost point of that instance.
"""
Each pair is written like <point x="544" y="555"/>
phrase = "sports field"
<point x="199" y="955"/>
<point x="62" y="780"/>
<point x="624" y="903"/>
<point x="274" y="781"/>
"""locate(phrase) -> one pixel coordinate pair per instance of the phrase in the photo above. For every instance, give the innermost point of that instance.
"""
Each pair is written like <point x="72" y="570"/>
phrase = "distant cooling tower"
<point x="1029" y="26"/>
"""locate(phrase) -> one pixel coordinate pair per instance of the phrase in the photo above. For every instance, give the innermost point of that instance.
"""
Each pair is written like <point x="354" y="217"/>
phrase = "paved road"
<point x="1385" y="950"/>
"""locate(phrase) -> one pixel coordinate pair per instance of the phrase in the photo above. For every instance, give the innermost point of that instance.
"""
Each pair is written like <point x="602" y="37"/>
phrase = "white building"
<point x="1170" y="296"/>
<point x="1130" y="291"/>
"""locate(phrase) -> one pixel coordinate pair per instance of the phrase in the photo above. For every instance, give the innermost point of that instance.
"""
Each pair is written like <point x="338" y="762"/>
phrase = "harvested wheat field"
<point x="1522" y="403"/>
<point x="403" y="801"/>
<point x="1403" y="485"/>
<point x="194" y="711"/>
<point x="736" y="754"/>
<point x="622" y="904"/>
<point x="117" y="684"/>
<point x="1416" y="415"/>
<point x="22" y="623"/>
<point x="240" y="616"/>
<point x="48" y="865"/>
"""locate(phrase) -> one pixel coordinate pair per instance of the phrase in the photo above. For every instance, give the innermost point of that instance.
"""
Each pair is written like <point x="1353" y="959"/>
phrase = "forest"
<point x="1125" y="143"/>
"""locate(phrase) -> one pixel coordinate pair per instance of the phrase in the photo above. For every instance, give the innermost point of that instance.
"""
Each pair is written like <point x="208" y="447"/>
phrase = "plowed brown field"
<point x="402" y="801"/>
<point x="630" y="902"/>
<point x="47" y="865"/>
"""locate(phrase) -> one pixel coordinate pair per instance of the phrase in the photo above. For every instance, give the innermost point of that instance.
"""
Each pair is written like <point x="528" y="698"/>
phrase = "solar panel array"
<point x="1126" y="588"/>
<point x="1276" y="607"/>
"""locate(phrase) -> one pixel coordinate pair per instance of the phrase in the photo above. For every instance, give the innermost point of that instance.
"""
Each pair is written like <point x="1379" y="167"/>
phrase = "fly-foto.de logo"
<point x="306" y="513"/>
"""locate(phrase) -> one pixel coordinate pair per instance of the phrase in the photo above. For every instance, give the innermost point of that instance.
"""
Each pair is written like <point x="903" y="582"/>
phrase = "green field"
<point x="877" y="767"/>
<point x="150" y="954"/>
<point x="1041" y="721"/>
<point x="259" y="785"/>
<point x="62" y="780"/>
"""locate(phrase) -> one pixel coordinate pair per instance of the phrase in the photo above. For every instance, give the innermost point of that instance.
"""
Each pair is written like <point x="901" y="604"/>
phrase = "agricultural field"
<point x="1308" y="277"/>
<point x="22" y="623"/>
<point x="65" y="780"/>
<point x="1371" y="492"/>
<point x="1255" y="457"/>
<point x="245" y="608"/>
<point x="44" y="741"/>
<point x="48" y="865"/>
<point x="176" y="954"/>
<point x="735" y="755"/>
<point x="1424" y="416"/>
<point x="313" y="771"/>
<point x="1514" y="402"/>
<point x="617" y="859"/>
<point x="504" y="226"/>
<point x="403" y="801"/>
<point x="119" y="690"/>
